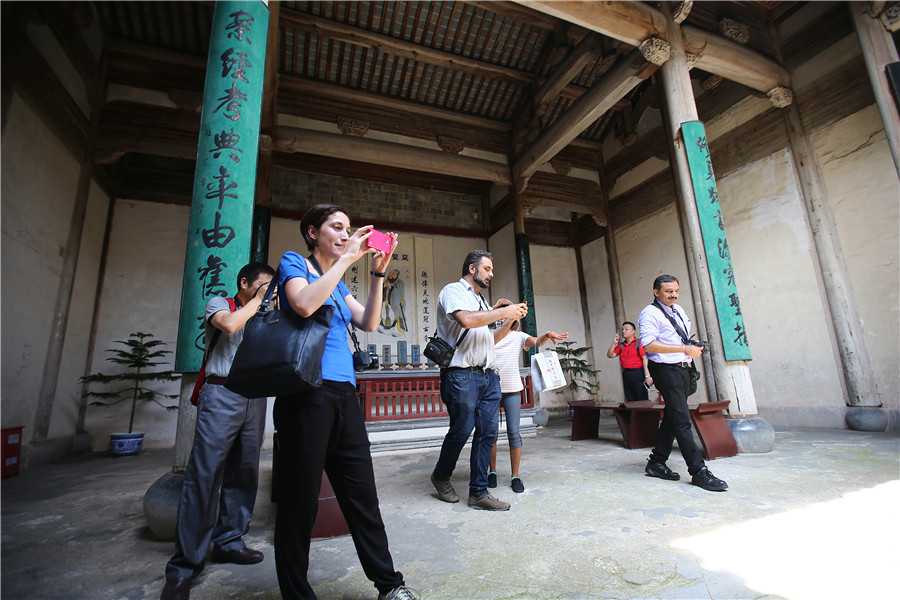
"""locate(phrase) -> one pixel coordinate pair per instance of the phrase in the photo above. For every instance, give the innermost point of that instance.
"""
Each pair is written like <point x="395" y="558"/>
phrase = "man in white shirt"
<point x="670" y="355"/>
<point x="470" y="387"/>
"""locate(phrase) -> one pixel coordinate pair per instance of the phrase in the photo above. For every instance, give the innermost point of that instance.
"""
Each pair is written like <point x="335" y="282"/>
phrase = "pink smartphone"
<point x="380" y="241"/>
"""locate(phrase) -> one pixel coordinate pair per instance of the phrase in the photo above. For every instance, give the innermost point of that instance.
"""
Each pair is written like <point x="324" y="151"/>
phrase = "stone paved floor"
<point x="815" y="518"/>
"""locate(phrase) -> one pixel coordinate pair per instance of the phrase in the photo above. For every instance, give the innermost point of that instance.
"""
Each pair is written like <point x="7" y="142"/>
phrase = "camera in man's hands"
<point x="704" y="345"/>
<point x="363" y="360"/>
<point x="495" y="324"/>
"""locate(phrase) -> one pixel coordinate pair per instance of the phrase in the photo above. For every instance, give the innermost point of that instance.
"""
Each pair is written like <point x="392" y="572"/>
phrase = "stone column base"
<point x="161" y="505"/>
<point x="753" y="435"/>
<point x="866" y="418"/>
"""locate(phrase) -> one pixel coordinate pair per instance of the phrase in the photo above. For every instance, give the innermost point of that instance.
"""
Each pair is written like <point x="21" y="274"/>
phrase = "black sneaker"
<point x="492" y="480"/>
<point x="706" y="480"/>
<point x="517" y="485"/>
<point x="659" y="469"/>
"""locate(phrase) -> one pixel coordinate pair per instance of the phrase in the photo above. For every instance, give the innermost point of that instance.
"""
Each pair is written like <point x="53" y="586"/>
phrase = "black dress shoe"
<point x="177" y="588"/>
<point x="703" y="478"/>
<point x="659" y="469"/>
<point x="244" y="556"/>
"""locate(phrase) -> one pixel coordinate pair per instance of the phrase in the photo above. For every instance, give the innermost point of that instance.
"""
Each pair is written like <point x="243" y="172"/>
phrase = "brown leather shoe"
<point x="177" y="588"/>
<point x="244" y="556"/>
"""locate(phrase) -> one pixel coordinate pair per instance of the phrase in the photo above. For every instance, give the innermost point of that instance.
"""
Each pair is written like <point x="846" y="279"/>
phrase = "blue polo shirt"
<point x="337" y="361"/>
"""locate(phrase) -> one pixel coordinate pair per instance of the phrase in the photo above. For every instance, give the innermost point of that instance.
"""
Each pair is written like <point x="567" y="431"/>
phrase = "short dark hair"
<point x="629" y="323"/>
<point x="474" y="258"/>
<point x="315" y="216"/>
<point x="657" y="283"/>
<point x="252" y="271"/>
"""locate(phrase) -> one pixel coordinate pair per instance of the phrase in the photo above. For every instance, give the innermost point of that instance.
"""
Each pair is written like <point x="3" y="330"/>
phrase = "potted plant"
<point x="582" y="374"/>
<point x="139" y="354"/>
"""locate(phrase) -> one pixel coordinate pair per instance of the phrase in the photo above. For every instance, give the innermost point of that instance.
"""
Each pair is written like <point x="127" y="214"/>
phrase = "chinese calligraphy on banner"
<point x="225" y="178"/>
<point x="718" y="256"/>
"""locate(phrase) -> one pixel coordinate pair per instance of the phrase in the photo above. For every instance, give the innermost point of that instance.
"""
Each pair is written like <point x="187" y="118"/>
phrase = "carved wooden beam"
<point x="292" y="139"/>
<point x="635" y="23"/>
<point x="624" y="77"/>
<point x="583" y="54"/>
<point x="721" y="56"/>
<point x="629" y="22"/>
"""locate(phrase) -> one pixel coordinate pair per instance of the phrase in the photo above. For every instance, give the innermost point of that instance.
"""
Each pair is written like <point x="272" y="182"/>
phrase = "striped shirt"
<point x="506" y="360"/>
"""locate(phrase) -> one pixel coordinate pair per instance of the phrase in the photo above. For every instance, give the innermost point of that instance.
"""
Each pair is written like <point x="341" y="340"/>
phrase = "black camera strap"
<point x="352" y="332"/>
<point x="678" y="328"/>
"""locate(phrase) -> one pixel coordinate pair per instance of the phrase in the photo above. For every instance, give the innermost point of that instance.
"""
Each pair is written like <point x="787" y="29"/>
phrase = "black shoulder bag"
<point x="692" y="370"/>
<point x="281" y="352"/>
<point x="440" y="352"/>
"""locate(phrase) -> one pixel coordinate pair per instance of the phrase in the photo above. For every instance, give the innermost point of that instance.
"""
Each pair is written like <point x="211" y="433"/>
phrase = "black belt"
<point x="473" y="369"/>
<point x="215" y="380"/>
<point x="683" y="365"/>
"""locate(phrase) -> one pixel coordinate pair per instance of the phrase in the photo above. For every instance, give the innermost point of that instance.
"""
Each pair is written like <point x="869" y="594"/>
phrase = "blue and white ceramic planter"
<point x="125" y="444"/>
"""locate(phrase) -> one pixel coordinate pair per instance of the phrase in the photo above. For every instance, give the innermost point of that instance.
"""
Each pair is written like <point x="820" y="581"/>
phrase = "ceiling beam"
<point x="341" y="94"/>
<point x="629" y="22"/>
<point x="634" y="22"/>
<point x="584" y="53"/>
<point x="384" y="43"/>
<point x="720" y="56"/>
<point x="292" y="139"/>
<point x="630" y="71"/>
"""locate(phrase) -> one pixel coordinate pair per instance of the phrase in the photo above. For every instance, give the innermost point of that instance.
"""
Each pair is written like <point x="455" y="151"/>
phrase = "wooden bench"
<point x="639" y="423"/>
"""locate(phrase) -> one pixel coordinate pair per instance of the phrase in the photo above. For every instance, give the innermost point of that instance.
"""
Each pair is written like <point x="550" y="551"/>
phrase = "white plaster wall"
<point x="502" y="246"/>
<point x="557" y="304"/>
<point x="141" y="291"/>
<point x="864" y="193"/>
<point x="603" y="319"/>
<point x="36" y="214"/>
<point x="794" y="370"/>
<point x="68" y="400"/>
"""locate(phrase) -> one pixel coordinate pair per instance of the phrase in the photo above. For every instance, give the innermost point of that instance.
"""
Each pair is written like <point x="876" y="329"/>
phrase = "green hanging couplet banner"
<point x="218" y="242"/>
<point x="718" y="256"/>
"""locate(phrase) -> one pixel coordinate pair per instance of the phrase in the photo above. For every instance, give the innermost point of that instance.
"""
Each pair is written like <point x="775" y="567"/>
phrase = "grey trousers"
<point x="221" y="479"/>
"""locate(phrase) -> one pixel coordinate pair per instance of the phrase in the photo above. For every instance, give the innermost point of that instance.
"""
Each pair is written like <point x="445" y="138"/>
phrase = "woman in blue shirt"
<point x="323" y="428"/>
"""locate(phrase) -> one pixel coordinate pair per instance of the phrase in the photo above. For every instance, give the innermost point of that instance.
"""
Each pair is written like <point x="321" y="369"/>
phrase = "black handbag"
<point x="281" y="352"/>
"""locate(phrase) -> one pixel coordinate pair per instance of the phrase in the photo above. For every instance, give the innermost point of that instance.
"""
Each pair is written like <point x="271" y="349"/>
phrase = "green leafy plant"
<point x="139" y="354"/>
<point x="582" y="374"/>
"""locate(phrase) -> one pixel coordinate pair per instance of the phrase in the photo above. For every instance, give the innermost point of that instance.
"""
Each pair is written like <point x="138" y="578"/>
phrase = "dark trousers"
<point x="673" y="383"/>
<point x="633" y="381"/>
<point x="472" y="398"/>
<point x="324" y="429"/>
<point x="221" y="480"/>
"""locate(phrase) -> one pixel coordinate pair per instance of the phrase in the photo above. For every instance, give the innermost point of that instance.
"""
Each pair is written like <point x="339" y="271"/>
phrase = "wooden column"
<point x="523" y="265"/>
<point x="732" y="379"/>
<point x="612" y="256"/>
<point x="708" y="374"/>
<point x="58" y="325"/>
<point x="838" y="298"/>
<point x="878" y="51"/>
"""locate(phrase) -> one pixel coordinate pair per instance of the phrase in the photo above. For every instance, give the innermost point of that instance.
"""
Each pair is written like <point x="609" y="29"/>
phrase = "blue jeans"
<point x="472" y="398"/>
<point x="512" y="406"/>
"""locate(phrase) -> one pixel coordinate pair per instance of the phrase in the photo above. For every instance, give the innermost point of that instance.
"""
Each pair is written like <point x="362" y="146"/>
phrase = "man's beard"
<point x="481" y="283"/>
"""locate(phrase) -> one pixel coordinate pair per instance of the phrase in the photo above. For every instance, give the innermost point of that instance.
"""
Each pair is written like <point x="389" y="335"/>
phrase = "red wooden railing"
<point x="419" y="397"/>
